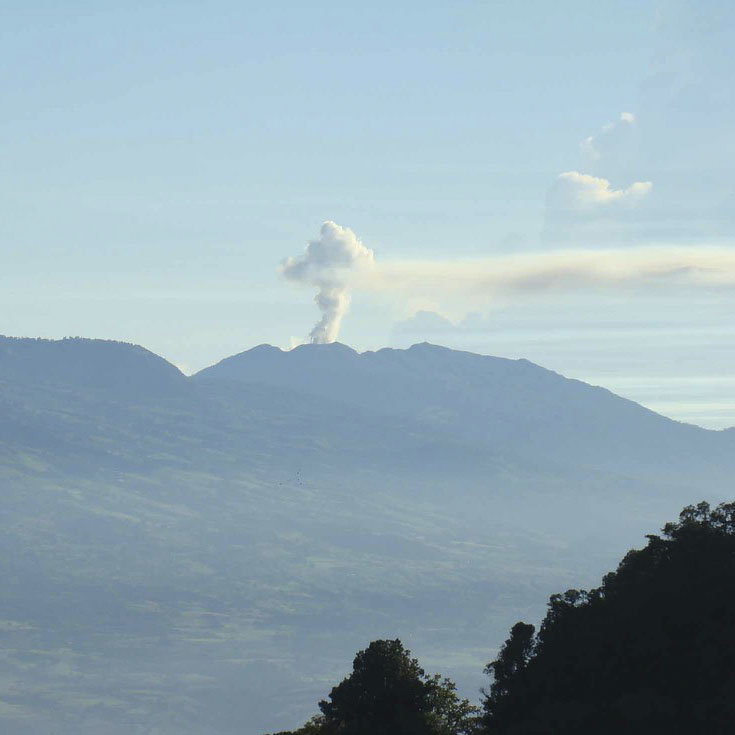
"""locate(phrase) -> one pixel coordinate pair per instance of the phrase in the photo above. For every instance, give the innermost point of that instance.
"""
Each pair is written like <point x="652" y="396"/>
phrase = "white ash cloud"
<point x="337" y="263"/>
<point x="327" y="264"/>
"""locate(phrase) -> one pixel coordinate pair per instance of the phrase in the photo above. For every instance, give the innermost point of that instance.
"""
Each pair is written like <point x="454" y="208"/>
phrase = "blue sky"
<point x="160" y="160"/>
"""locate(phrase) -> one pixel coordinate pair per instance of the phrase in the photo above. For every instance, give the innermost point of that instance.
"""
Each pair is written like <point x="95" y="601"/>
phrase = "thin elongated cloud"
<point x="327" y="264"/>
<point x="560" y="270"/>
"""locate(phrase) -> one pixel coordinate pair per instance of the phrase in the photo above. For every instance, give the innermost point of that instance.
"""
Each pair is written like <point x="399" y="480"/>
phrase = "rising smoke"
<point x="327" y="264"/>
<point x="337" y="262"/>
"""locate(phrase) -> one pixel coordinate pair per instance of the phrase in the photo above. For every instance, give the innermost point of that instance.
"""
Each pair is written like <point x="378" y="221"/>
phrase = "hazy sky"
<point x="543" y="180"/>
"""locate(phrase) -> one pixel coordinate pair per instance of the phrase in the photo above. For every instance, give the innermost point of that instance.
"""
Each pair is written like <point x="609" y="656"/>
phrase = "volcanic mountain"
<point x="200" y="554"/>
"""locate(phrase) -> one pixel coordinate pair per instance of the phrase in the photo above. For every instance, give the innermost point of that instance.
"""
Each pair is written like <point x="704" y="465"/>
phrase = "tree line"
<point x="652" y="650"/>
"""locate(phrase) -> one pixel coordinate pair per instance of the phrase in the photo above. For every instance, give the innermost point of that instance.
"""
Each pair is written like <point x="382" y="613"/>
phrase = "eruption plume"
<point x="327" y="264"/>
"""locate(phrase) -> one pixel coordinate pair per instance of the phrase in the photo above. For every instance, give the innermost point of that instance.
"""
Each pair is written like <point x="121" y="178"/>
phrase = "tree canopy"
<point x="652" y="650"/>
<point x="388" y="693"/>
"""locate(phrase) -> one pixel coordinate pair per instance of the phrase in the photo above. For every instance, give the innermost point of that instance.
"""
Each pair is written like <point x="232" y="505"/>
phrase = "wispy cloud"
<point x="582" y="193"/>
<point x="559" y="270"/>
<point x="593" y="146"/>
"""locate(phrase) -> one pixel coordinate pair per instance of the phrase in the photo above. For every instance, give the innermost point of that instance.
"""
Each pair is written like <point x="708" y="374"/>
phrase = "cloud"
<point x="583" y="206"/>
<point x="425" y="322"/>
<point x="479" y="280"/>
<point x="593" y="147"/>
<point x="575" y="192"/>
<point x="327" y="264"/>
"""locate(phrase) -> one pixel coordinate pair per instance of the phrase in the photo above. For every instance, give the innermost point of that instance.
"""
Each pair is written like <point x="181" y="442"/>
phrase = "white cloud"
<point x="577" y="192"/>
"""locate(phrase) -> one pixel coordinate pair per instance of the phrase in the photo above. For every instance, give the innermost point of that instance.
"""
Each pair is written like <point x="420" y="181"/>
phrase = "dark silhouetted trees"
<point x="388" y="693"/>
<point x="652" y="650"/>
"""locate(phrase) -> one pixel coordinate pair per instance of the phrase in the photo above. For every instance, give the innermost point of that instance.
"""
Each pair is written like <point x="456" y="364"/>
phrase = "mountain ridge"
<point x="487" y="404"/>
<point x="96" y="363"/>
<point x="481" y="397"/>
<point x="54" y="349"/>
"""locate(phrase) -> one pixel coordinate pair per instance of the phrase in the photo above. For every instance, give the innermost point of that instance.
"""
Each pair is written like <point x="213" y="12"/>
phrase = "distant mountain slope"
<point x="427" y="410"/>
<point x="505" y="404"/>
<point x="87" y="364"/>
<point x="176" y="553"/>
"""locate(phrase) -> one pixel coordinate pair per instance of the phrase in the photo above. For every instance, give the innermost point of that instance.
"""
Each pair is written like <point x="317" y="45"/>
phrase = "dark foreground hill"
<point x="176" y="553"/>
